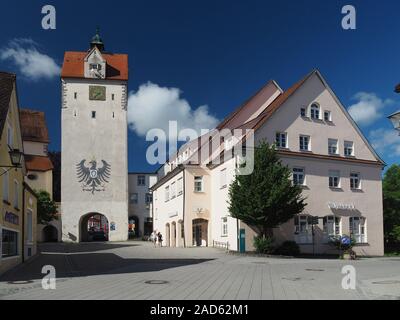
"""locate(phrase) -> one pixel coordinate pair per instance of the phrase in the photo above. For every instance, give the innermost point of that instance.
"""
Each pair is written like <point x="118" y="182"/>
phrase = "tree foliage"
<point x="266" y="198"/>
<point x="391" y="203"/>
<point x="46" y="207"/>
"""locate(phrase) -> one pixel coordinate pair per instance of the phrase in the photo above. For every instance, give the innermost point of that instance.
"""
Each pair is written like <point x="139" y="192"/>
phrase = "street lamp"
<point x="16" y="158"/>
<point x="395" y="118"/>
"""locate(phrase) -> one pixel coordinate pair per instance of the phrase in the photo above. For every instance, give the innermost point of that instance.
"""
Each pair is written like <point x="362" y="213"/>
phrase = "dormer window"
<point x="95" y="65"/>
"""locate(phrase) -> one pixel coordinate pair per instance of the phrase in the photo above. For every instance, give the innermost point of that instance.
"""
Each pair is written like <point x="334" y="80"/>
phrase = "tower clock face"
<point x="97" y="93"/>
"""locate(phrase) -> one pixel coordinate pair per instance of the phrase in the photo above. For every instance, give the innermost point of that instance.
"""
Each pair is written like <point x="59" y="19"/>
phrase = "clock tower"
<point x="94" y="173"/>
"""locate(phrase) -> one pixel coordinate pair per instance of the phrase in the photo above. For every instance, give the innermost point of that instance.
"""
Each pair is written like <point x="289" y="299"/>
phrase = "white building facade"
<point x="317" y="139"/>
<point x="94" y="144"/>
<point x="141" y="204"/>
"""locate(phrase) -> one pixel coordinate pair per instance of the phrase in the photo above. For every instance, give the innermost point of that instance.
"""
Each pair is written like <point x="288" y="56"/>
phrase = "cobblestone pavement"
<point x="137" y="270"/>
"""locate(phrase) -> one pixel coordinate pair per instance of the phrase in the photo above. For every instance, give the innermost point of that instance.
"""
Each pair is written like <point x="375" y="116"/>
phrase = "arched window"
<point x="315" y="111"/>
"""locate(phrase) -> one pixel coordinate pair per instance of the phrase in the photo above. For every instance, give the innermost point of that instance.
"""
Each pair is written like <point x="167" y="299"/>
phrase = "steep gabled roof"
<point x="33" y="126"/>
<point x="38" y="163"/>
<point x="73" y="66"/>
<point x="7" y="81"/>
<point x="231" y="117"/>
<point x="348" y="116"/>
<point x="280" y="100"/>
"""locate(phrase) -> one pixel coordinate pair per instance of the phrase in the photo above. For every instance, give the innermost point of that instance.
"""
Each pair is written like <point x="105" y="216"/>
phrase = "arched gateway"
<point x="94" y="227"/>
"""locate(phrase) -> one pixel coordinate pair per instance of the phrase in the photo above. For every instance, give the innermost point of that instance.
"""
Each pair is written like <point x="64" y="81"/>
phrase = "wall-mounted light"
<point x="395" y="119"/>
<point x="16" y="157"/>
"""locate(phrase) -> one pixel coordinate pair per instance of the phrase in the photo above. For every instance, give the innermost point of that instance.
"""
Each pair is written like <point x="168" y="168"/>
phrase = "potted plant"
<point x="345" y="245"/>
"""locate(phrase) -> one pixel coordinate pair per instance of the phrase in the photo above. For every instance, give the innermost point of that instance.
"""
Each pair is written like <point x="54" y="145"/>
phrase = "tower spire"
<point x="97" y="41"/>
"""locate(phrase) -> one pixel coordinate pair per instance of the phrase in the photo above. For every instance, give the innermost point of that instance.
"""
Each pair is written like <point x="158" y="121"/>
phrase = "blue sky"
<point x="217" y="53"/>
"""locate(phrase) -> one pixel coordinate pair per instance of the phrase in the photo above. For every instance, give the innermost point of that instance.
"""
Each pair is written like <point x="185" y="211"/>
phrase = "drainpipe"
<point x="237" y="235"/>
<point x="184" y="196"/>
<point x="23" y="221"/>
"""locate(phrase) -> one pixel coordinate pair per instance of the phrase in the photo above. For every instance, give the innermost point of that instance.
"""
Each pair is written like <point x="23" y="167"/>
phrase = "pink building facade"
<point x="317" y="139"/>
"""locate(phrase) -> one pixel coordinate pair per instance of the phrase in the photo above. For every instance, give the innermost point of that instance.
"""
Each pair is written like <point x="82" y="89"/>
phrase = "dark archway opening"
<point x="50" y="234"/>
<point x="94" y="227"/>
<point x="200" y="233"/>
<point x="134" y="231"/>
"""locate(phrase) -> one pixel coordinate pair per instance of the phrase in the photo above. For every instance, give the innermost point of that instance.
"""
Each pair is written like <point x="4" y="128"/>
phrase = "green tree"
<point x="391" y="203"/>
<point x="266" y="198"/>
<point x="46" y="208"/>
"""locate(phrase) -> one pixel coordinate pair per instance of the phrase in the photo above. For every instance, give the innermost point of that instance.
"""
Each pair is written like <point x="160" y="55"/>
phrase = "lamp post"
<point x="395" y="118"/>
<point x="16" y="158"/>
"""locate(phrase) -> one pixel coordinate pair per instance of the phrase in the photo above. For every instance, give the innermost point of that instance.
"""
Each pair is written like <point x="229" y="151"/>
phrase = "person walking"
<point x="154" y="238"/>
<point x="160" y="239"/>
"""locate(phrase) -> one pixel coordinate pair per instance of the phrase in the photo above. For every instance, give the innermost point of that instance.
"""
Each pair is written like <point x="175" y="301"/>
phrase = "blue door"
<point x="242" y="240"/>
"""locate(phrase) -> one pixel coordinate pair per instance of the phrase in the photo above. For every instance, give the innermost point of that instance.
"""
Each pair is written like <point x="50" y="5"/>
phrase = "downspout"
<point x="183" y="212"/>
<point x="23" y="221"/>
<point x="237" y="235"/>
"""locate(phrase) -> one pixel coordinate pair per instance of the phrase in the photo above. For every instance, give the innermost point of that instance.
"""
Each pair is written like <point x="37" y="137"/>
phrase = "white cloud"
<point x="152" y="107"/>
<point x="386" y="141"/>
<point x="31" y="63"/>
<point x="368" y="108"/>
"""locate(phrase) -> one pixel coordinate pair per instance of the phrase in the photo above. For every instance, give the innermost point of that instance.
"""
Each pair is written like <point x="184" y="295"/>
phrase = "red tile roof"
<point x="117" y="65"/>
<point x="38" y="163"/>
<point x="33" y="126"/>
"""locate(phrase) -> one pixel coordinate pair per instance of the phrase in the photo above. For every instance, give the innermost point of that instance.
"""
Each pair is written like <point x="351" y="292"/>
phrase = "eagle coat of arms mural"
<point x="93" y="179"/>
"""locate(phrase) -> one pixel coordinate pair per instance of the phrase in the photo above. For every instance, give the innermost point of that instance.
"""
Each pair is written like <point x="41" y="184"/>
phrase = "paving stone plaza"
<point x="137" y="270"/>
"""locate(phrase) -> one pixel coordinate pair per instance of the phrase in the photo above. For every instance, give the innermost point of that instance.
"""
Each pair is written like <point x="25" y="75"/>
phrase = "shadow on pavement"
<point x="82" y="265"/>
<point x="82" y="247"/>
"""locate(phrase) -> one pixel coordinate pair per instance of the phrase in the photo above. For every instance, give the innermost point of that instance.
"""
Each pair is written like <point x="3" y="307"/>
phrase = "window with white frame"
<point x="315" y="112"/>
<point x="222" y="179"/>
<point x="298" y="176"/>
<point x="281" y="139"/>
<point x="348" y="148"/>
<point x="173" y="190"/>
<point x="141" y="180"/>
<point x="305" y="143"/>
<point x="180" y="186"/>
<point x="224" y="226"/>
<point x="333" y="146"/>
<point x="327" y="116"/>
<point x="302" y="229"/>
<point x="358" y="229"/>
<point x="334" y="179"/>
<point x="332" y="227"/>
<point x="16" y="195"/>
<point x="303" y="112"/>
<point x="6" y="186"/>
<point x="198" y="184"/>
<point x="133" y="198"/>
<point x="167" y="193"/>
<point x="355" y="182"/>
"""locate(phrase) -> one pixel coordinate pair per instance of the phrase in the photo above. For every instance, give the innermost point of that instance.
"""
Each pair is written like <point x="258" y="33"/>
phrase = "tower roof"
<point x="73" y="66"/>
<point x="97" y="41"/>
